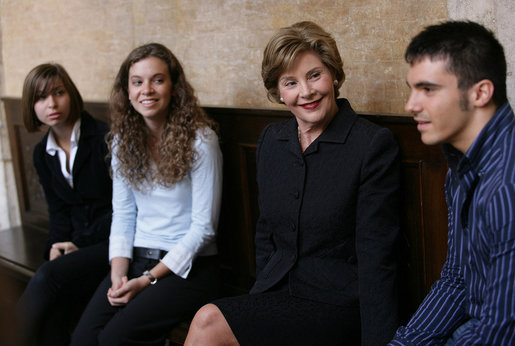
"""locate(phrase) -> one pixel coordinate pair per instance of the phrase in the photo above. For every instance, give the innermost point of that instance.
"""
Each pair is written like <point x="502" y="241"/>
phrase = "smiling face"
<point x="307" y="89"/>
<point x="52" y="106"/>
<point x="150" y="88"/>
<point x="439" y="107"/>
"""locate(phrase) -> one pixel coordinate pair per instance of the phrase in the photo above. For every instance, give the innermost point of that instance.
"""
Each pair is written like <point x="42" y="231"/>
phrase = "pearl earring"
<point x="335" y="82"/>
<point x="282" y="100"/>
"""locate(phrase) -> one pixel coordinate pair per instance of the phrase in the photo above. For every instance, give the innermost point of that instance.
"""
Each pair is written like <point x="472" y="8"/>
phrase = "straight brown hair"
<point x="37" y="83"/>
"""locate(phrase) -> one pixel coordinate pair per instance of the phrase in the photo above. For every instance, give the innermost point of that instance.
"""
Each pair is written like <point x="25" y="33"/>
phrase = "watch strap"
<point x="151" y="277"/>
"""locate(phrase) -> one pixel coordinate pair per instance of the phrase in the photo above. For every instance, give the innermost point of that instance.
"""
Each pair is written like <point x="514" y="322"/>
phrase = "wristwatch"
<point x="151" y="277"/>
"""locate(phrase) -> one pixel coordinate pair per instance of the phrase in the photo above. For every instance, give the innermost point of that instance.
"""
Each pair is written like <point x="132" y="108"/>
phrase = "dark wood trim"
<point x="423" y="212"/>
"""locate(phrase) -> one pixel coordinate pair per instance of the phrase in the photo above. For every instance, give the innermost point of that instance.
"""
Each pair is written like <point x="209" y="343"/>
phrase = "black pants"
<point x="153" y="312"/>
<point x="54" y="298"/>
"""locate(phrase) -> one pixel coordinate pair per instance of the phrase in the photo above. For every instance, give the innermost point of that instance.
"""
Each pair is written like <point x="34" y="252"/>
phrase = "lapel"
<point x="288" y="133"/>
<point x="336" y="132"/>
<point x="338" y="129"/>
<point x="55" y="169"/>
<point x="84" y="151"/>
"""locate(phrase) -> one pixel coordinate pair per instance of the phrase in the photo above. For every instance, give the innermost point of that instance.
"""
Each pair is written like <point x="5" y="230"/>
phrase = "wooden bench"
<point x="423" y="211"/>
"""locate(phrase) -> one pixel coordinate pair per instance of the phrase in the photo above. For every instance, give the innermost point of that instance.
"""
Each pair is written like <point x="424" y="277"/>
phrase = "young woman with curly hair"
<point x="167" y="168"/>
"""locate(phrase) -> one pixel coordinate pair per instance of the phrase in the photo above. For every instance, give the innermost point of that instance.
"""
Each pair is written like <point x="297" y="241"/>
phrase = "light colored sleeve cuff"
<point x="120" y="247"/>
<point x="179" y="261"/>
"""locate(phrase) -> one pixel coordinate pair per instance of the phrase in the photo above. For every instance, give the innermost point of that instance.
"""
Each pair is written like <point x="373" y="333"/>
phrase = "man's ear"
<point x="481" y="93"/>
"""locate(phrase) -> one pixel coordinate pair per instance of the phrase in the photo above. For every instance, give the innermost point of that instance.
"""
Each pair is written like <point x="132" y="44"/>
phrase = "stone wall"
<point x="497" y="15"/>
<point x="9" y="211"/>
<point x="220" y="43"/>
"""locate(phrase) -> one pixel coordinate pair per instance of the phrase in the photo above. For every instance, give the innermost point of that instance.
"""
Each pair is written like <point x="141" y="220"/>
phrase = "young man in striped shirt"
<point x="457" y="78"/>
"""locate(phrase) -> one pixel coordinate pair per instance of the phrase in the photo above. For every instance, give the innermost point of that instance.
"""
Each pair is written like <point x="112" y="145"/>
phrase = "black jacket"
<point x="81" y="214"/>
<point x="329" y="217"/>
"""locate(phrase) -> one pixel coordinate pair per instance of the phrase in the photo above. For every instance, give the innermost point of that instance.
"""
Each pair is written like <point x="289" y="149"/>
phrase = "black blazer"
<point x="81" y="214"/>
<point x="329" y="217"/>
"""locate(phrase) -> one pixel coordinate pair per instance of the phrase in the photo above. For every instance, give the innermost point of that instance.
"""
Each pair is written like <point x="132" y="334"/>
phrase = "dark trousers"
<point x="54" y="298"/>
<point x="153" y="312"/>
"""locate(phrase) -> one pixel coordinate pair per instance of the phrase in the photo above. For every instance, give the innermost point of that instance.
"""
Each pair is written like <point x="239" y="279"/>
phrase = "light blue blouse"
<point x="182" y="219"/>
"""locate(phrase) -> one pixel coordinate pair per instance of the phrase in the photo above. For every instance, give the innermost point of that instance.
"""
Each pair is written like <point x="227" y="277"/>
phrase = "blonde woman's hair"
<point x="130" y="134"/>
<point x="288" y="43"/>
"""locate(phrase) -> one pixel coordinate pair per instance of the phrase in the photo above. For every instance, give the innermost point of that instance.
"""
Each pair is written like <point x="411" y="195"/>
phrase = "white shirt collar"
<point x="54" y="150"/>
<point x="51" y="144"/>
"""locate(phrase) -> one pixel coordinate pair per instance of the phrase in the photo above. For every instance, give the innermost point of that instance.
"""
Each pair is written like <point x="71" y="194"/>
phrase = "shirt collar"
<point x="51" y="144"/>
<point x="473" y="159"/>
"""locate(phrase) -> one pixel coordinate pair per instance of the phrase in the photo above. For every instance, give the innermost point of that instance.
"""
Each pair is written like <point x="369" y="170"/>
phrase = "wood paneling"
<point x="423" y="212"/>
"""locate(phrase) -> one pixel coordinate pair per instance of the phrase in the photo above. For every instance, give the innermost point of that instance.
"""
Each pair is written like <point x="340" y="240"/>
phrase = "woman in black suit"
<point x="71" y="164"/>
<point x="328" y="197"/>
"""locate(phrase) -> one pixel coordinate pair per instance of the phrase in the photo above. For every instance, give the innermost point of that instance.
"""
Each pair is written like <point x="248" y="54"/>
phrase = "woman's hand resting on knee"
<point x="61" y="248"/>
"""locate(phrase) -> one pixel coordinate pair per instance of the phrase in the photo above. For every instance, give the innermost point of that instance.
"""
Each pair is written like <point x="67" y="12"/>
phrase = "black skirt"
<point x="277" y="318"/>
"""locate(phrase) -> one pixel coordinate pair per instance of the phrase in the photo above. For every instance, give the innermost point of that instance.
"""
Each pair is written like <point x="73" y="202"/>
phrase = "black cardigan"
<point x="81" y="214"/>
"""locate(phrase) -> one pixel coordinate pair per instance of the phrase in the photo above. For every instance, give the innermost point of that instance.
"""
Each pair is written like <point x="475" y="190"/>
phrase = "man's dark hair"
<point x="472" y="53"/>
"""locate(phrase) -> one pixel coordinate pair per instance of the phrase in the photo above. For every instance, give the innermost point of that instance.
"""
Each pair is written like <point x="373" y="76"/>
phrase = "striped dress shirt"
<point x="478" y="278"/>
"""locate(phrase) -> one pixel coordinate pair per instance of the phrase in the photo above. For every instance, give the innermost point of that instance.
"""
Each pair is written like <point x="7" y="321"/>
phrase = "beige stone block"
<point x="219" y="42"/>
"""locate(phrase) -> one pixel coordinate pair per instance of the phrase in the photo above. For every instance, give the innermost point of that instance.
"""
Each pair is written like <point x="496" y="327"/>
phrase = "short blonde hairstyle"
<point x="288" y="43"/>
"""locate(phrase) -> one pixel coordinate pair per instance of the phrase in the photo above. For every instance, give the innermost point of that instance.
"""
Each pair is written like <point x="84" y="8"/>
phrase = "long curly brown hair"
<point x="130" y="135"/>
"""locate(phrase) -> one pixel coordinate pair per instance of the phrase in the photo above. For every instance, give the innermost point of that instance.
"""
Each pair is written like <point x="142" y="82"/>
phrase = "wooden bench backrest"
<point x="423" y="212"/>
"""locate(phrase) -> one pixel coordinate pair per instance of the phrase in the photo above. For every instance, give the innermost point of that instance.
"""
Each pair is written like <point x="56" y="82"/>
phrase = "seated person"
<point x="167" y="176"/>
<point x="71" y="164"/>
<point x="457" y="77"/>
<point x="328" y="198"/>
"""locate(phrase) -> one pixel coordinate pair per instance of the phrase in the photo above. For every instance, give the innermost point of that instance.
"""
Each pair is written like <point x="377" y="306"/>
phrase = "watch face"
<point x="152" y="279"/>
